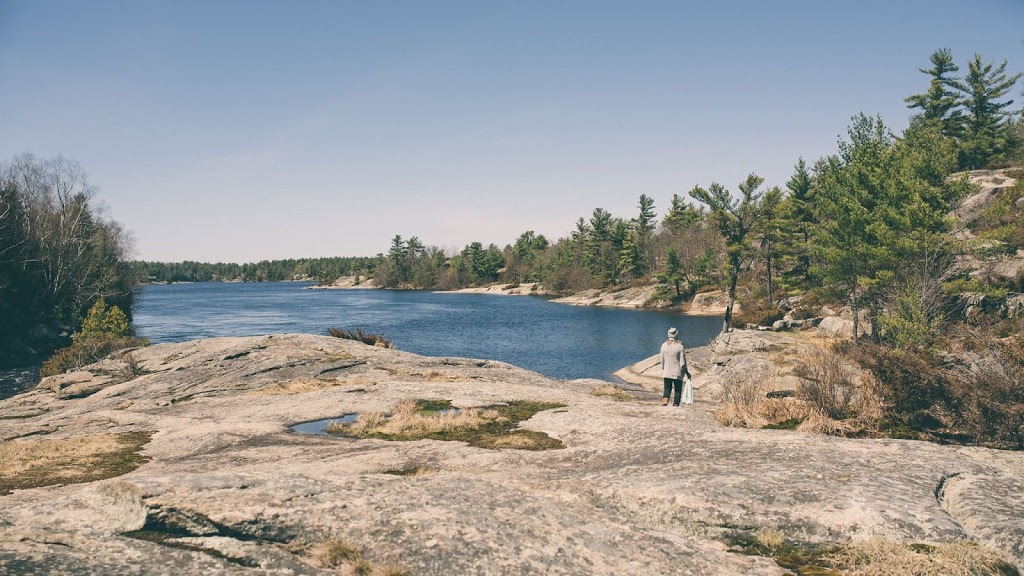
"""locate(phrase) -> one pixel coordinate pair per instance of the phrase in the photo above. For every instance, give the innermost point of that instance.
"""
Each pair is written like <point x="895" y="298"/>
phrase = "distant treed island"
<point x="891" y="225"/>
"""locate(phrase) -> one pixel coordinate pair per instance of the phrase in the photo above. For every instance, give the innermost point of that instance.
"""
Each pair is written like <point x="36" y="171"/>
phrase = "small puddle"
<point x="320" y="426"/>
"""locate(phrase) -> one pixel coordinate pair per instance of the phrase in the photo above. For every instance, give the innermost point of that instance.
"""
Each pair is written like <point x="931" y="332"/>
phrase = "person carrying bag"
<point x="673" y="367"/>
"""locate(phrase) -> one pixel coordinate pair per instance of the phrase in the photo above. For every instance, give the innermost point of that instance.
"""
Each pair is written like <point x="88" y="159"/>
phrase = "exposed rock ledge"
<point x="637" y="489"/>
<point x="703" y="304"/>
<point x="347" y="283"/>
<point x="525" y="289"/>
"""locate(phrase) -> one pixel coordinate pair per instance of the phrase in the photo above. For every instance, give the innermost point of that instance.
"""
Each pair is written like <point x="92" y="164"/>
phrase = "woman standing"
<point x="673" y="367"/>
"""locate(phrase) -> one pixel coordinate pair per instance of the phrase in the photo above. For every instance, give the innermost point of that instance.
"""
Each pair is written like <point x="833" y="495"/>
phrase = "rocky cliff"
<point x="178" y="458"/>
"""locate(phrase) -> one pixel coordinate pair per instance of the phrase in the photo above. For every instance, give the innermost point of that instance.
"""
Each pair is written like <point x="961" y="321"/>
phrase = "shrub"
<point x="742" y="400"/>
<point x="757" y="311"/>
<point x="989" y="392"/>
<point x="909" y="381"/>
<point x="85" y="351"/>
<point x="361" y="336"/>
<point x="827" y="384"/>
<point x="102" y="322"/>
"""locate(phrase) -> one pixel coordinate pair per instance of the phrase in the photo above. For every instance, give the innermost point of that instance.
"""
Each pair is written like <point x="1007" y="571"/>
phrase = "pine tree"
<point x="737" y="220"/>
<point x="682" y="215"/>
<point x="988" y="134"/>
<point x="673" y="270"/>
<point x="644" y="227"/>
<point x="799" y="211"/>
<point x="940" y="104"/>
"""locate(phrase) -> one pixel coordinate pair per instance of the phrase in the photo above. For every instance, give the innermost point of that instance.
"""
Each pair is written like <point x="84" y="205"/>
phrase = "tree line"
<point x="322" y="269"/>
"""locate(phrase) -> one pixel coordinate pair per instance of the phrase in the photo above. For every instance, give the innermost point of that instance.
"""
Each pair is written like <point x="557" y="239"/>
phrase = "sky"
<point x="239" y="131"/>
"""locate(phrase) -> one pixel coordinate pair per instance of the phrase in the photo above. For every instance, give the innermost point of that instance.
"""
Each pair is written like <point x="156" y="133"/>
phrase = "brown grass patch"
<point x="612" y="391"/>
<point x="820" y="423"/>
<point x="34" y="463"/>
<point x="409" y="420"/>
<point x="436" y="420"/>
<point x="885" y="558"/>
<point x="346" y="558"/>
<point x="296" y="386"/>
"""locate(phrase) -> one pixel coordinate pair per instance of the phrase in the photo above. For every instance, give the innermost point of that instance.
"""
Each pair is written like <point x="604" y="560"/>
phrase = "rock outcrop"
<point x="525" y="289"/>
<point x="638" y="297"/>
<point x="638" y="488"/>
<point x="989" y="185"/>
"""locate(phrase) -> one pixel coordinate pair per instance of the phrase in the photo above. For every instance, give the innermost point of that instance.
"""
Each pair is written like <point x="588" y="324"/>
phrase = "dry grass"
<point x="341" y="555"/>
<point x="33" y="463"/>
<point x="360" y="336"/>
<point x="820" y="423"/>
<point x="743" y="399"/>
<point x="884" y="558"/>
<point x="776" y="410"/>
<point x="296" y="386"/>
<point x="336" y="553"/>
<point x="434" y="419"/>
<point x="612" y="391"/>
<point x="770" y="538"/>
<point x="827" y="383"/>
<point x="522" y="440"/>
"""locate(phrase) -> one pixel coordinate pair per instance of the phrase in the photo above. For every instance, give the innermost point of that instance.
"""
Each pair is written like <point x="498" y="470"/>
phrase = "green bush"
<point x="104" y="331"/>
<point x="102" y="322"/>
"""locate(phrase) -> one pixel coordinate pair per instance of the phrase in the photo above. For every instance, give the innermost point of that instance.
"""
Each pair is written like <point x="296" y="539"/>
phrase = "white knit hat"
<point x="672" y="332"/>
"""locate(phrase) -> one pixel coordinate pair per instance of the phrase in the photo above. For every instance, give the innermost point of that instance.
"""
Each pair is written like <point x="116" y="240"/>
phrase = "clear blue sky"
<point x="247" y="130"/>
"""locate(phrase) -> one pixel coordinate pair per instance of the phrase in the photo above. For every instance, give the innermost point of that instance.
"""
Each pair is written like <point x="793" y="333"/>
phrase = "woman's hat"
<point x="672" y="332"/>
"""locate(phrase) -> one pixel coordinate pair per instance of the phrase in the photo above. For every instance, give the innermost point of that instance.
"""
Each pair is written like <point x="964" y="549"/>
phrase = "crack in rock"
<point x="945" y="482"/>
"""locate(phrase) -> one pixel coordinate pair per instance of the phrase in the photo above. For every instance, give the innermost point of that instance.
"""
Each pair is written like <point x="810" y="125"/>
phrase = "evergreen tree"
<point x="673" y="270"/>
<point x="770" y="235"/>
<point x="876" y="211"/>
<point x="631" y="255"/>
<point x="799" y="210"/>
<point x="737" y="220"/>
<point x="644" y="228"/>
<point x="988" y="134"/>
<point x="940" y="104"/>
<point x="682" y="215"/>
<point x="600" y="255"/>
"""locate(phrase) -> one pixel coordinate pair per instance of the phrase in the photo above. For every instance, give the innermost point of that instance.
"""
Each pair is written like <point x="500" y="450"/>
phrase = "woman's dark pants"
<point x="678" y="384"/>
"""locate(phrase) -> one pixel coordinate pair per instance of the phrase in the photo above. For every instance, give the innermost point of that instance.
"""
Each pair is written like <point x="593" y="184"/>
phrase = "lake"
<point x="557" y="340"/>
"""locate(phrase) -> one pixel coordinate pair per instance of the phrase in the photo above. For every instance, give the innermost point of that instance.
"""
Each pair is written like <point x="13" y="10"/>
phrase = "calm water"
<point x="553" y="339"/>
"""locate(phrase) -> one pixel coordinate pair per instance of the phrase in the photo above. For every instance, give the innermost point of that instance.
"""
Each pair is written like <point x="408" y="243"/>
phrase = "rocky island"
<point x="180" y="458"/>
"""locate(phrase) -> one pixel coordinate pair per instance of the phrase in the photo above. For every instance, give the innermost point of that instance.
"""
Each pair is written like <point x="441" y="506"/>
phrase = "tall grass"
<point x="360" y="336"/>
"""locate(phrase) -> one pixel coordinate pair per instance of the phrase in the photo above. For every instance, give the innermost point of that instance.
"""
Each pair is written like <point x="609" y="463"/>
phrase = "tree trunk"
<point x="856" y="316"/>
<point x="732" y="297"/>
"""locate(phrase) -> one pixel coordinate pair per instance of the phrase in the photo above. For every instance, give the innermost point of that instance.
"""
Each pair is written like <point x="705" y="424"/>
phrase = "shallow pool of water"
<point x="320" y="426"/>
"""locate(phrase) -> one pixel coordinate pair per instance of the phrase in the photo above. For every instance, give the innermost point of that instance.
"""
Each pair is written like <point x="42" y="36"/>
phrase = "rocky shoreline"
<point x="222" y="486"/>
